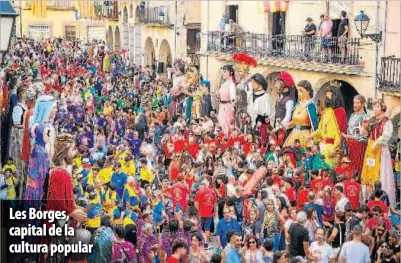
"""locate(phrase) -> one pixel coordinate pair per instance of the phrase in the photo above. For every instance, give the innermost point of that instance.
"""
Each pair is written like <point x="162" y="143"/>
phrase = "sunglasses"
<point x="384" y="246"/>
<point x="252" y="242"/>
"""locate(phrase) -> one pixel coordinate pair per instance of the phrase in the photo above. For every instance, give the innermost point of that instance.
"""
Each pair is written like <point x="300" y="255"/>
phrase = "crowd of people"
<point x="150" y="170"/>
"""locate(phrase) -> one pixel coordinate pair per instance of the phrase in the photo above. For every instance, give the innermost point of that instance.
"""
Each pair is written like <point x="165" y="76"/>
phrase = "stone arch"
<point x="110" y="38"/>
<point x="131" y="11"/>
<point x="347" y="90"/>
<point x="149" y="52"/>
<point x="117" y="39"/>
<point x="165" y="54"/>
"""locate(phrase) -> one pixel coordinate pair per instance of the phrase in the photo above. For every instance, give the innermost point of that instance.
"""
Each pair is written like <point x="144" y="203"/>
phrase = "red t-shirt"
<point x="207" y="200"/>
<point x="290" y="193"/>
<point x="277" y="180"/>
<point x="318" y="184"/>
<point x="179" y="146"/>
<point x="247" y="148"/>
<point x="302" y="198"/>
<point x="352" y="190"/>
<point x="345" y="171"/>
<point x="193" y="149"/>
<point x="379" y="203"/>
<point x="179" y="194"/>
<point x="372" y="223"/>
<point x="172" y="259"/>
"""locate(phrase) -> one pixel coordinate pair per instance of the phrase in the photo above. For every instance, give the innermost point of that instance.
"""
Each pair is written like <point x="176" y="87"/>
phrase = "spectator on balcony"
<point x="343" y="34"/>
<point x="326" y="35"/>
<point x="320" y="24"/>
<point x="223" y="23"/>
<point x="229" y="31"/>
<point x="309" y="32"/>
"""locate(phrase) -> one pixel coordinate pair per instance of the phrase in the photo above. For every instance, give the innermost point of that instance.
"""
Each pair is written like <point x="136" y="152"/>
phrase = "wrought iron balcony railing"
<point x="156" y="15"/>
<point x="326" y="50"/>
<point x="389" y="77"/>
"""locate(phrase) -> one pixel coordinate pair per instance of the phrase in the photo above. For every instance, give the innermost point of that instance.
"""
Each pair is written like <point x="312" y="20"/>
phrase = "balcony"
<point x="292" y="51"/>
<point x="389" y="77"/>
<point x="157" y="16"/>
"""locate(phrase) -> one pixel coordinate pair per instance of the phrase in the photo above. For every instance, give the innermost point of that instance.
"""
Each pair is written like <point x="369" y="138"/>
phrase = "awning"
<point x="276" y="6"/>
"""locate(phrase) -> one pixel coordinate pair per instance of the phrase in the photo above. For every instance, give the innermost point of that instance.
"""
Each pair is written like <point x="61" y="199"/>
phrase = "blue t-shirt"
<point x="119" y="180"/>
<point x="223" y="227"/>
<point x="318" y="208"/>
<point x="232" y="255"/>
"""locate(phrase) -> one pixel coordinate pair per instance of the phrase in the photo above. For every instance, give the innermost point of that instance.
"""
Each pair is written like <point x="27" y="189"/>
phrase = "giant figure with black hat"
<point x="227" y="97"/>
<point x="285" y="87"/>
<point x="259" y="104"/>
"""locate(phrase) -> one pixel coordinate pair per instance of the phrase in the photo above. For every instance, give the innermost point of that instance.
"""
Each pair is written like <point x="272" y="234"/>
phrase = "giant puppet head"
<point x="244" y="62"/>
<point x="334" y="98"/>
<point x="284" y="82"/>
<point x="258" y="82"/>
<point x="64" y="150"/>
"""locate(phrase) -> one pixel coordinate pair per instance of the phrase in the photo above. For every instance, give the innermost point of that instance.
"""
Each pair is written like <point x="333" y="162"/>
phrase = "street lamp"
<point x="7" y="23"/>
<point x="361" y="23"/>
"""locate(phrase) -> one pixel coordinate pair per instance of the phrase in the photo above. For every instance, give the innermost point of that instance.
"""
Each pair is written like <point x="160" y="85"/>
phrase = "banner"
<point x="276" y="6"/>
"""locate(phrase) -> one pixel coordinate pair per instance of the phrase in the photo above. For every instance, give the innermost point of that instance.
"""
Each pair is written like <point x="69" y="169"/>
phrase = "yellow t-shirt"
<point x="108" y="110"/>
<point x="12" y="167"/>
<point x="146" y="175"/>
<point x="105" y="174"/>
<point x="12" y="181"/>
<point x="129" y="168"/>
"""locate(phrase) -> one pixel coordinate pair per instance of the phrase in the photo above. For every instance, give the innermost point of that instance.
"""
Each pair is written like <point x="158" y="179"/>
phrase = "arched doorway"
<point x="165" y="55"/>
<point x="117" y="40"/>
<point x="137" y="43"/>
<point x="149" y="52"/>
<point x="110" y="38"/>
<point x="125" y="28"/>
<point x="271" y="81"/>
<point x="348" y="93"/>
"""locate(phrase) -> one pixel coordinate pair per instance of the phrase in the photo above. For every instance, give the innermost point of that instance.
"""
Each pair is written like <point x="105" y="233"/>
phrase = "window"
<point x="278" y="23"/>
<point x="70" y="32"/>
<point x="233" y="13"/>
<point x="39" y="32"/>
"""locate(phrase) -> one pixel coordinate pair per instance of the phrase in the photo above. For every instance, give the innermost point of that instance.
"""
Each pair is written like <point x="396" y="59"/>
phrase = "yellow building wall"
<point x="57" y="20"/>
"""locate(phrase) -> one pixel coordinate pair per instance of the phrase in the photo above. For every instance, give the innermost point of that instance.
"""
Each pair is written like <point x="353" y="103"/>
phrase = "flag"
<point x="39" y="8"/>
<point x="276" y="6"/>
<point x="86" y="9"/>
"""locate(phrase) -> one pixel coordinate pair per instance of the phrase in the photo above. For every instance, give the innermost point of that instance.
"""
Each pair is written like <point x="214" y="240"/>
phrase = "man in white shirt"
<point x="342" y="200"/>
<point x="320" y="250"/>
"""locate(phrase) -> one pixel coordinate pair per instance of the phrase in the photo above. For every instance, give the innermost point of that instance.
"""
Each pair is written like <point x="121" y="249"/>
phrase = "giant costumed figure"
<point x="285" y="87"/>
<point x="58" y="191"/>
<point x="377" y="162"/>
<point x="244" y="88"/>
<point x="227" y="98"/>
<point x="177" y="96"/>
<point x="43" y="133"/>
<point x="30" y="97"/>
<point x="332" y="123"/>
<point x="304" y="119"/>
<point x="259" y="104"/>
<point x="356" y="142"/>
